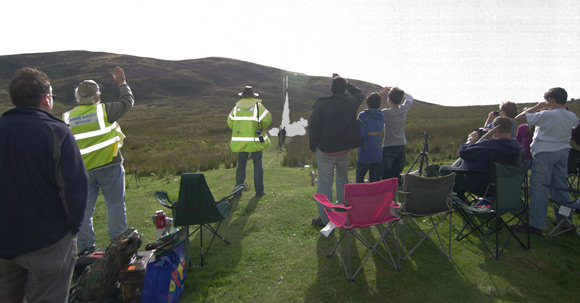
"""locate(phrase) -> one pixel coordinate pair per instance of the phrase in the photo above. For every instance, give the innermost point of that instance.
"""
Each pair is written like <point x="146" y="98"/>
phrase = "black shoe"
<point x="318" y="222"/>
<point x="260" y="194"/>
<point x="522" y="228"/>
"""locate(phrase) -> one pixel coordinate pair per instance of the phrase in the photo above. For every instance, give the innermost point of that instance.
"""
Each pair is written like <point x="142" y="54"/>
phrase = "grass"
<point x="276" y="254"/>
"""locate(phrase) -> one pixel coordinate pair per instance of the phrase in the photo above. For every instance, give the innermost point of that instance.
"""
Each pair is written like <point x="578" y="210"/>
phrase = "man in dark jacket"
<point x="475" y="156"/>
<point x="43" y="195"/>
<point x="333" y="133"/>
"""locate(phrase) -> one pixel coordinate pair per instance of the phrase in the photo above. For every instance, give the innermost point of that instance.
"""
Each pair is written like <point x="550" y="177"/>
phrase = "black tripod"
<point x="134" y="176"/>
<point x="423" y="155"/>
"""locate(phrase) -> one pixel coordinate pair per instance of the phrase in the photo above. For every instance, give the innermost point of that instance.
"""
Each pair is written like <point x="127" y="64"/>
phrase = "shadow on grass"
<point x="379" y="282"/>
<point x="202" y="281"/>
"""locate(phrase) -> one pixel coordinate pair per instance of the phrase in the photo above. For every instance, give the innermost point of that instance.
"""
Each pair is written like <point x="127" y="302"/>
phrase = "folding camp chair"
<point x="427" y="197"/>
<point x="564" y="208"/>
<point x="196" y="206"/>
<point x="574" y="172"/>
<point x="365" y="205"/>
<point x="499" y="208"/>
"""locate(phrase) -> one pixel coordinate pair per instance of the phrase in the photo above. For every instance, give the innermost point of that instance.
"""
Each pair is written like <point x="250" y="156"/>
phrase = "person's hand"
<point x="384" y="91"/>
<point x="119" y="75"/>
<point x="543" y="105"/>
<point x="473" y="137"/>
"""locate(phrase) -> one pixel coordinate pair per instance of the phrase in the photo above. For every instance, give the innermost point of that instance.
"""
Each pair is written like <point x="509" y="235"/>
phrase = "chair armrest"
<point x="322" y="199"/>
<point x="163" y="199"/>
<point x="236" y="190"/>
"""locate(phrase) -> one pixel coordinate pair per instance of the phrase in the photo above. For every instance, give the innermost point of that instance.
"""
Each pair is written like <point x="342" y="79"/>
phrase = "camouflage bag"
<point x="98" y="282"/>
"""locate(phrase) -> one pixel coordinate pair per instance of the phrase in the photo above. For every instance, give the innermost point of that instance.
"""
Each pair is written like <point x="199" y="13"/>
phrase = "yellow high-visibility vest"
<point x="97" y="138"/>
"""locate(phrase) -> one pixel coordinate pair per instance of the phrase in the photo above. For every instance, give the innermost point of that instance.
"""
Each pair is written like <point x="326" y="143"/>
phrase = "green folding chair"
<point x="427" y="198"/>
<point x="196" y="206"/>
<point x="505" y="209"/>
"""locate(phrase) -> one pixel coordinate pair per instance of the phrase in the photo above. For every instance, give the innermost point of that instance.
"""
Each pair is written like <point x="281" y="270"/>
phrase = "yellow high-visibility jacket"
<point x="245" y="118"/>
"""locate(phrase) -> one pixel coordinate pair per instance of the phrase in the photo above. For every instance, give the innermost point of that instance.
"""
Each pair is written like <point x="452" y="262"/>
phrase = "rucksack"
<point x="98" y="282"/>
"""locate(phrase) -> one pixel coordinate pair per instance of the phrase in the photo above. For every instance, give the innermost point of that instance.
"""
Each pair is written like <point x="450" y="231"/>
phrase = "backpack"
<point x="98" y="282"/>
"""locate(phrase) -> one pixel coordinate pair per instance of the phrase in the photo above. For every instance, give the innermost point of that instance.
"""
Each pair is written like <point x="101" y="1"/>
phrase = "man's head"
<point x="31" y="88"/>
<point x="396" y="95"/>
<point x="248" y="92"/>
<point x="338" y="85"/>
<point x="509" y="109"/>
<point x="558" y="94"/>
<point x="504" y="129"/>
<point x="374" y="100"/>
<point x="87" y="92"/>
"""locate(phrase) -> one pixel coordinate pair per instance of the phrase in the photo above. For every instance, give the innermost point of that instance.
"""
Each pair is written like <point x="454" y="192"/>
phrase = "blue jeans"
<point x="111" y="180"/>
<point x="547" y="168"/>
<point x="43" y="275"/>
<point x="326" y="168"/>
<point x="258" y="170"/>
<point x="374" y="170"/>
<point x="393" y="161"/>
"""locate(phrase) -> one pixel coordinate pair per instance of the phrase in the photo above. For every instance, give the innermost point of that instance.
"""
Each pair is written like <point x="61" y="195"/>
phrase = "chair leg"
<point x="215" y="233"/>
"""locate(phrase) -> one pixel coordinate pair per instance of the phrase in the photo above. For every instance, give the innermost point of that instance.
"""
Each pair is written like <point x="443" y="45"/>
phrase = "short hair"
<point x="505" y="124"/>
<point x="510" y="109"/>
<point x="559" y="94"/>
<point x="374" y="100"/>
<point x="396" y="95"/>
<point x="338" y="85"/>
<point x="27" y="87"/>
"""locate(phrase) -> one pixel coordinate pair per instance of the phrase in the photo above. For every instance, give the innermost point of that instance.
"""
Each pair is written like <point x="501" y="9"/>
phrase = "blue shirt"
<point x="371" y="123"/>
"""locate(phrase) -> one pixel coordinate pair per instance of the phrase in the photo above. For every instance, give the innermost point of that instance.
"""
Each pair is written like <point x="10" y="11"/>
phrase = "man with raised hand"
<point x="550" y="148"/>
<point x="100" y="139"/>
<point x="333" y="132"/>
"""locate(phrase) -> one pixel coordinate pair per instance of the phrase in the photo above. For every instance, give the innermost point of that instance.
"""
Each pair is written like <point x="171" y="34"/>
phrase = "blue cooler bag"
<point x="164" y="277"/>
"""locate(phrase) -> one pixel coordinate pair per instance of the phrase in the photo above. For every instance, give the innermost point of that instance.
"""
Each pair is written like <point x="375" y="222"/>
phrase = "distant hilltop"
<point x="155" y="82"/>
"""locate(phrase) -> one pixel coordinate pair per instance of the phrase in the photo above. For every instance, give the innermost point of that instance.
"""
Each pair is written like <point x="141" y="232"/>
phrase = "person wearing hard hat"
<point x="248" y="121"/>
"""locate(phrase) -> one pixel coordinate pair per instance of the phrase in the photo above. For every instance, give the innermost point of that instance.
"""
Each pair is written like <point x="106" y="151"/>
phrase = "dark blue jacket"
<point x="371" y="123"/>
<point x="43" y="181"/>
<point x="476" y="157"/>
<point x="332" y="125"/>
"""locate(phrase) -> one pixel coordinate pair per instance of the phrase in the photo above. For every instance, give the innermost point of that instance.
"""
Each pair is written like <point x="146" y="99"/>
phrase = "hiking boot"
<point x="318" y="222"/>
<point x="522" y="228"/>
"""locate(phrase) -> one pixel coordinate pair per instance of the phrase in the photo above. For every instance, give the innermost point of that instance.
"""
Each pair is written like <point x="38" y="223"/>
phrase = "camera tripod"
<point x="424" y="155"/>
<point x="134" y="176"/>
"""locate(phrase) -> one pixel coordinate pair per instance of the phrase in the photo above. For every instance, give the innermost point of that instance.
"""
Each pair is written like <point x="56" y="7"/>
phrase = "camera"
<point x="481" y="132"/>
<point x="260" y="137"/>
<point x="496" y="113"/>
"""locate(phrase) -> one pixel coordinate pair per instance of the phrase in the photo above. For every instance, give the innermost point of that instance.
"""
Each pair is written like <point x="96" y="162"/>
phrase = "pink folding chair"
<point x="365" y="205"/>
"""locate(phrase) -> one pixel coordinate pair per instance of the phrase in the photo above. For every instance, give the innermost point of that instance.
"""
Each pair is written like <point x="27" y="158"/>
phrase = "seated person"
<point x="574" y="154"/>
<point x="475" y="157"/>
<point x="506" y="109"/>
<point x="525" y="136"/>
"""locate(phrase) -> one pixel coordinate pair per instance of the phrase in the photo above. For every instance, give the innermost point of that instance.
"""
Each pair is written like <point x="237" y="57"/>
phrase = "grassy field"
<point x="276" y="254"/>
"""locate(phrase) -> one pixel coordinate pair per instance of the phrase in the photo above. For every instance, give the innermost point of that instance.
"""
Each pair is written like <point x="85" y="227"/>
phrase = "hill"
<point x="192" y="86"/>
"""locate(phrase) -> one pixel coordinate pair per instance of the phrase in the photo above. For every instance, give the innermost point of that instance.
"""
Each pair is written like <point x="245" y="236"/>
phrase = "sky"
<point x="448" y="52"/>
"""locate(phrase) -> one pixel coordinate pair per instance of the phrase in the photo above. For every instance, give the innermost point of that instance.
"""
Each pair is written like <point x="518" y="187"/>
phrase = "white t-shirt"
<point x="553" y="129"/>
<point x="395" y="120"/>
